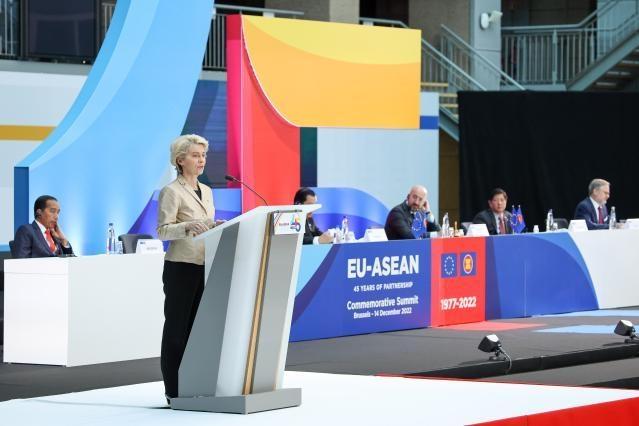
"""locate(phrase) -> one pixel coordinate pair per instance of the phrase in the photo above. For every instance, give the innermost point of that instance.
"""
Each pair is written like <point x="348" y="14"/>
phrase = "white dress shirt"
<point x="43" y="230"/>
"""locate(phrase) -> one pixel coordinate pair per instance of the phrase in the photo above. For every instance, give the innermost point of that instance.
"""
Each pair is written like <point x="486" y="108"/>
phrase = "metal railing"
<point x="106" y="14"/>
<point x="436" y="68"/>
<point x="9" y="28"/>
<point x="215" y="53"/>
<point x="473" y="62"/>
<point x="555" y="54"/>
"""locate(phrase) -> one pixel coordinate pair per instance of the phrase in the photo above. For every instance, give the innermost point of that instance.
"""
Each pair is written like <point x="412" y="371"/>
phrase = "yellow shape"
<point x="318" y="74"/>
<point x="343" y="42"/>
<point x="25" y="133"/>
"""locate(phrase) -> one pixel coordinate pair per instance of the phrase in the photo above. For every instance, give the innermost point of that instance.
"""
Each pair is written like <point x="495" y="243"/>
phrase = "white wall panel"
<point x="383" y="163"/>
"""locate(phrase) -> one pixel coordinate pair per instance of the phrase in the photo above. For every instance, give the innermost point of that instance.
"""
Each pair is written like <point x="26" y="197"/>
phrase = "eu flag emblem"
<point x="449" y="265"/>
<point x="418" y="229"/>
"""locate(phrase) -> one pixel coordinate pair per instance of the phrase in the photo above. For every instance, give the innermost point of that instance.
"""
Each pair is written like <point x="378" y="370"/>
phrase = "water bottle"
<point x="111" y="243"/>
<point x="445" y="225"/>
<point x="344" y="228"/>
<point x="549" y="221"/>
<point x="612" y="221"/>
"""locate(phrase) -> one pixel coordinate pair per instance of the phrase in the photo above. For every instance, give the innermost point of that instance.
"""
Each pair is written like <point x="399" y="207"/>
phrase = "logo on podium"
<point x="287" y="223"/>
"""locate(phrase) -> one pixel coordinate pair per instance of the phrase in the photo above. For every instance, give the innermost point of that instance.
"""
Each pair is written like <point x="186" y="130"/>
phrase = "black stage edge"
<point x="541" y="350"/>
<point x="19" y="381"/>
<point x="545" y="362"/>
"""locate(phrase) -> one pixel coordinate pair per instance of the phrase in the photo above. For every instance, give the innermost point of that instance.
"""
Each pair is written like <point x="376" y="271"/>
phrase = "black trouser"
<point x="183" y="287"/>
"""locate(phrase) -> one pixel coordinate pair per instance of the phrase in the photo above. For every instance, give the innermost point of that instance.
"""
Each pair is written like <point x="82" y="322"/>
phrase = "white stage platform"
<point x="327" y="399"/>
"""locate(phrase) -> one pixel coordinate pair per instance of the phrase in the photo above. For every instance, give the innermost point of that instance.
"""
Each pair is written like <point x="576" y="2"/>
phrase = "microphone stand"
<point x="234" y="179"/>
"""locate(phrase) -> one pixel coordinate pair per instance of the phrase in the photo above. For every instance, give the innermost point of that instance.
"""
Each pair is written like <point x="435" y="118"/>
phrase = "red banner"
<point x="458" y="280"/>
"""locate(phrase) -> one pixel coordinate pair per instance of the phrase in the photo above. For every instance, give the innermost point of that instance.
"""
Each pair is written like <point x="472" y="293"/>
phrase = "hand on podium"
<point x="210" y="223"/>
<point x="196" y="228"/>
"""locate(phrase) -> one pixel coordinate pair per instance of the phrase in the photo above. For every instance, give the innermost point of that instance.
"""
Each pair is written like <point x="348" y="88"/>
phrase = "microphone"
<point x="234" y="179"/>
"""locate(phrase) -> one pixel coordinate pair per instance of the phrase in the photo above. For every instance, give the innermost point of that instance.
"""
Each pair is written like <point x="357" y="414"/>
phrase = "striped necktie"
<point x="502" y="225"/>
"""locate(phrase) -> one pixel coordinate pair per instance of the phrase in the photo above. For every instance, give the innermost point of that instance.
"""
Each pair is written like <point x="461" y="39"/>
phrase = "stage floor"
<point x="331" y="399"/>
<point x="428" y="351"/>
<point x="423" y="351"/>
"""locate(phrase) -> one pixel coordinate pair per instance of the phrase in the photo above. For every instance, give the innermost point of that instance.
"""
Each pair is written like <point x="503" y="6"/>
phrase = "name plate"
<point x="477" y="230"/>
<point x="375" y="234"/>
<point x="631" y="224"/>
<point x="149" y="246"/>
<point x="286" y="223"/>
<point x="577" y="225"/>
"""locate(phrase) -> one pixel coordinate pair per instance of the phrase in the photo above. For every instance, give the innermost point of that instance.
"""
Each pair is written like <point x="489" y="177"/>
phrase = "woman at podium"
<point x="185" y="209"/>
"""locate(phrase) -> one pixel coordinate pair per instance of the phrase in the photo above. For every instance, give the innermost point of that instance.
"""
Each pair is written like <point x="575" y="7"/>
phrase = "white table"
<point x="612" y="259"/>
<point x="83" y="310"/>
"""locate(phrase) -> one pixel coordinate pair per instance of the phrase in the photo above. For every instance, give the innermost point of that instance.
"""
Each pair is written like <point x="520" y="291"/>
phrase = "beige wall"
<point x="321" y="10"/>
<point x="427" y="15"/>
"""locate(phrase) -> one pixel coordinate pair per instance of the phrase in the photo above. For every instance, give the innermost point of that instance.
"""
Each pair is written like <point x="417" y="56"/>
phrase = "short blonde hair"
<point x="180" y="147"/>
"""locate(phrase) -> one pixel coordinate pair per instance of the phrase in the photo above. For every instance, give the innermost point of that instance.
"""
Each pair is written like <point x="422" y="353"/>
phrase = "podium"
<point x="236" y="352"/>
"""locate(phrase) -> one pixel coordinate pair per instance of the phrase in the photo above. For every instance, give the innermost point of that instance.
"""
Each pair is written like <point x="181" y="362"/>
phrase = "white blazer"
<point x="179" y="204"/>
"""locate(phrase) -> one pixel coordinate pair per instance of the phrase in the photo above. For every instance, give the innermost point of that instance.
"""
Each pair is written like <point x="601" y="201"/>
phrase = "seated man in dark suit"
<point x="496" y="217"/>
<point x="399" y="222"/>
<point x="312" y="234"/>
<point x="43" y="237"/>
<point x="593" y="208"/>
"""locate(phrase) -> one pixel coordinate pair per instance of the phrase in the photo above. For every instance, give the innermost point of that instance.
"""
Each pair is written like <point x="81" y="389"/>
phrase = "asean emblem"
<point x="467" y="264"/>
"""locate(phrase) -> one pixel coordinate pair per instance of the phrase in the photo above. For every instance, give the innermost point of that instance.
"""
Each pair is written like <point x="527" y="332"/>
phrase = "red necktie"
<point x="502" y="225"/>
<point x="600" y="215"/>
<point x="47" y="234"/>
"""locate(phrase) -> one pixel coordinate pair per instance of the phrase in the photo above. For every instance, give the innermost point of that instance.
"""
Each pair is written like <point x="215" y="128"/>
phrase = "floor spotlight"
<point x="491" y="343"/>
<point x="625" y="328"/>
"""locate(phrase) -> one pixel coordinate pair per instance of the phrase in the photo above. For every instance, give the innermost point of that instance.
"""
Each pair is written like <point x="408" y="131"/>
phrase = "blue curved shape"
<point x="311" y="258"/>
<point x="536" y="274"/>
<point x="109" y="153"/>
<point x="304" y="298"/>
<point x="146" y="223"/>
<point x="228" y="203"/>
<point x="363" y="210"/>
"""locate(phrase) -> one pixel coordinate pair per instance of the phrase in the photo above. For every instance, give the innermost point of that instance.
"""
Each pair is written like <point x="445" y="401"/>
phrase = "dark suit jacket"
<point x="399" y="223"/>
<point x="487" y="217"/>
<point x="585" y="210"/>
<point x="311" y="231"/>
<point x="29" y="242"/>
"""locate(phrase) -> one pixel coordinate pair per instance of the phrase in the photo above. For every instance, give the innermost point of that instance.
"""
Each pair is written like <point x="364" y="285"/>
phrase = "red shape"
<point x="263" y="148"/>
<point x="618" y="413"/>
<point x="462" y="298"/>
